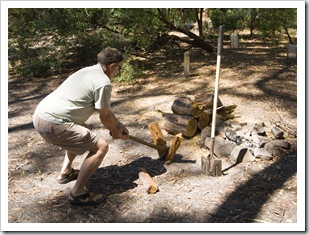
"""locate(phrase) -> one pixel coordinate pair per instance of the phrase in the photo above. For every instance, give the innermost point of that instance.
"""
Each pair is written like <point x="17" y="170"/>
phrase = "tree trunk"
<point x="199" y="19"/>
<point x="174" y="124"/>
<point x="197" y="41"/>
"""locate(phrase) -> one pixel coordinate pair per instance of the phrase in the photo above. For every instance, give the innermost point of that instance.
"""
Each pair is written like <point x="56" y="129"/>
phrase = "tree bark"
<point x="174" y="124"/>
<point x="199" y="19"/>
<point x="185" y="106"/>
<point x="204" y="119"/>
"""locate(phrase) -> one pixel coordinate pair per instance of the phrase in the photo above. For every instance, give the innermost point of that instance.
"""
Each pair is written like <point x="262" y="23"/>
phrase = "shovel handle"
<point x="215" y="101"/>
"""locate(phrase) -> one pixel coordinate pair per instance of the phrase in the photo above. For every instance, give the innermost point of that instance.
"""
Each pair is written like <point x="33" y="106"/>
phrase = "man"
<point x="60" y="120"/>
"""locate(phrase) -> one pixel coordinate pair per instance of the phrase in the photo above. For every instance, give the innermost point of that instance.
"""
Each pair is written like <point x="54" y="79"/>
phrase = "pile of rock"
<point x="245" y="142"/>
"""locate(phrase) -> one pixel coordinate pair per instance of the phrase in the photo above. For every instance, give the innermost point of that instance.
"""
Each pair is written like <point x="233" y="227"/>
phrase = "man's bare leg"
<point x="67" y="162"/>
<point x="89" y="166"/>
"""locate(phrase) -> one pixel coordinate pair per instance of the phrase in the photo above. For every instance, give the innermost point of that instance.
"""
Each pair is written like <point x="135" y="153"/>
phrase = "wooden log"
<point x="225" y="110"/>
<point x="157" y="136"/>
<point x="173" y="147"/>
<point x="185" y="106"/>
<point x="204" y="119"/>
<point x="184" y="124"/>
<point x="197" y="109"/>
<point x="206" y="100"/>
<point x="147" y="181"/>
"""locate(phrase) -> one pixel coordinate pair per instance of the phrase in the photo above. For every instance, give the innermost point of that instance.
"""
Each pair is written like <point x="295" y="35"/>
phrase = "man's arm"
<point x="109" y="120"/>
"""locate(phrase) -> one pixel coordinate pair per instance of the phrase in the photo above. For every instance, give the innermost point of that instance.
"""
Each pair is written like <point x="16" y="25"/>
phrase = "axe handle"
<point x="138" y="140"/>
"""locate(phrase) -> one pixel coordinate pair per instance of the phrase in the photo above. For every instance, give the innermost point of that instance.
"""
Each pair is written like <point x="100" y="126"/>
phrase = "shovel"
<point x="212" y="164"/>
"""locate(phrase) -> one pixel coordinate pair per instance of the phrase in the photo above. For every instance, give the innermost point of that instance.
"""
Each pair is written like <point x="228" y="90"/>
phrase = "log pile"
<point x="190" y="116"/>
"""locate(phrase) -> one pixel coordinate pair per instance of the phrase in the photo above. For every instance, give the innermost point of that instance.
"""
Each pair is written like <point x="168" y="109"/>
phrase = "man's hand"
<point x="120" y="133"/>
<point x="116" y="128"/>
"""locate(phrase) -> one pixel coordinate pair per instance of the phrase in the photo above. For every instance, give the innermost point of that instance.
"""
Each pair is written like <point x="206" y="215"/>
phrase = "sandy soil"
<point x="262" y="83"/>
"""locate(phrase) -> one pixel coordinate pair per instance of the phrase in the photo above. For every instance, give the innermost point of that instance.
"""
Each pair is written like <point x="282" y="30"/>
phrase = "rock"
<point x="245" y="134"/>
<point x="277" y="147"/>
<point x="240" y="154"/>
<point x="222" y="147"/>
<point x="220" y="126"/>
<point x="231" y="135"/>
<point x="262" y="153"/>
<point x="281" y="143"/>
<point x="206" y="132"/>
<point x="277" y="133"/>
<point x="258" y="139"/>
<point x="235" y="125"/>
<point x="259" y="128"/>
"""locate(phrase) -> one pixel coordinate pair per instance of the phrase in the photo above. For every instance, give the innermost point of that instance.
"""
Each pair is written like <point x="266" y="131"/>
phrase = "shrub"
<point x="129" y="72"/>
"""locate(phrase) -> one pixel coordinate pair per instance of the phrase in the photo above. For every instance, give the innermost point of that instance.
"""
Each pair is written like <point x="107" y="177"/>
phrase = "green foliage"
<point x="231" y="18"/>
<point x="38" y="67"/>
<point x="129" y="72"/>
<point x="274" y="22"/>
<point x="41" y="39"/>
<point x="74" y="33"/>
<point x="270" y="23"/>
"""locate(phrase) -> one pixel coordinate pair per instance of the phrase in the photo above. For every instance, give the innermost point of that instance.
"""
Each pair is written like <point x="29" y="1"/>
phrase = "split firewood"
<point x="148" y="182"/>
<point x="207" y="100"/>
<point x="225" y="110"/>
<point x="174" y="124"/>
<point x="157" y="136"/>
<point x="173" y="147"/>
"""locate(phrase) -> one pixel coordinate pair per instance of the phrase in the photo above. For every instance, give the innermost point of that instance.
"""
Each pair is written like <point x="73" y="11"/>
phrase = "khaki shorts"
<point x="69" y="136"/>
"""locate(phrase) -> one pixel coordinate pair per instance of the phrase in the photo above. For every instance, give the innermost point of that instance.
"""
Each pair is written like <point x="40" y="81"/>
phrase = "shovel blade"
<point x="211" y="165"/>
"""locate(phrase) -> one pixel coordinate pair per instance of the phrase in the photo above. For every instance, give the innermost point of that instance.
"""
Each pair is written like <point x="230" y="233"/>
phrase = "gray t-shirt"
<point x="77" y="98"/>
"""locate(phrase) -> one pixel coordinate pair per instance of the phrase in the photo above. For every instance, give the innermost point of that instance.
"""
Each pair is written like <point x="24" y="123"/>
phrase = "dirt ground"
<point x="260" y="80"/>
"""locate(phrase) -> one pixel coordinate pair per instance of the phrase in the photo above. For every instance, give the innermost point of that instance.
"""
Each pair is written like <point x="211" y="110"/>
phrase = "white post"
<point x="234" y="38"/>
<point x="292" y="51"/>
<point x="187" y="63"/>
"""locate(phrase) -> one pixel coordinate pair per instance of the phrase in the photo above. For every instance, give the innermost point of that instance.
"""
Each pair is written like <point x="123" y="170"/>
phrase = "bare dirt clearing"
<point x="262" y="83"/>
